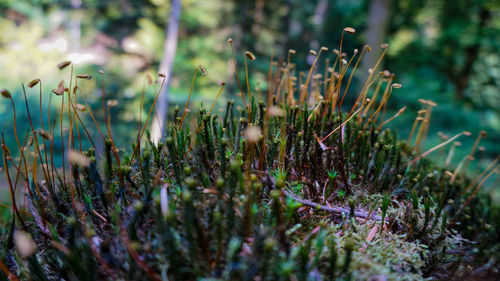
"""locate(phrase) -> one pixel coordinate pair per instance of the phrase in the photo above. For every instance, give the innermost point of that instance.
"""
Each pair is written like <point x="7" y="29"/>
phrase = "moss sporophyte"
<point x="291" y="181"/>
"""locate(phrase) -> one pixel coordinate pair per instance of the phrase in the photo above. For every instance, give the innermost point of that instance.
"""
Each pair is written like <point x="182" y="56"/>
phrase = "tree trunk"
<point x="75" y="30"/>
<point x="376" y="30"/>
<point x="169" y="49"/>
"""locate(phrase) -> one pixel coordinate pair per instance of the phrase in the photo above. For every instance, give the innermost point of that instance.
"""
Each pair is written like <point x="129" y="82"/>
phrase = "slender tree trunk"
<point x="376" y="30"/>
<point x="75" y="31"/>
<point x="169" y="49"/>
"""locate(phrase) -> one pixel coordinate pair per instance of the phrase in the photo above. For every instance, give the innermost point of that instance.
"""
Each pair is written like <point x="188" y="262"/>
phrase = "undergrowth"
<point x="290" y="185"/>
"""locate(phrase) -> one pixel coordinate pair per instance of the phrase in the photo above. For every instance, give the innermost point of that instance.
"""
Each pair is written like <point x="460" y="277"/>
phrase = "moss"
<point x="272" y="191"/>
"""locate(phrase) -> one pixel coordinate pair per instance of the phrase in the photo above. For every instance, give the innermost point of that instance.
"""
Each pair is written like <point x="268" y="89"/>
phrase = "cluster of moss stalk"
<point x="290" y="185"/>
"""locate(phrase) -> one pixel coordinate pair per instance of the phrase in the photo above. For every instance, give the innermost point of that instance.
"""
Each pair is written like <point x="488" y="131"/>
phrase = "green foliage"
<point x="269" y="191"/>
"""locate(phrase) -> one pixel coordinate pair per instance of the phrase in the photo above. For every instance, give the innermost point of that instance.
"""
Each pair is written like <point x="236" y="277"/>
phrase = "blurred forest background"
<point x="445" y="51"/>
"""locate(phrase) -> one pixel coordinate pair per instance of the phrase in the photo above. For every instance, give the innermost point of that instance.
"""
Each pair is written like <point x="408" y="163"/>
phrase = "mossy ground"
<point x="285" y="188"/>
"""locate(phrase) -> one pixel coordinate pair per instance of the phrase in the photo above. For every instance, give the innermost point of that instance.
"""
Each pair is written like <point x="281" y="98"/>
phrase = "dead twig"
<point x="335" y="210"/>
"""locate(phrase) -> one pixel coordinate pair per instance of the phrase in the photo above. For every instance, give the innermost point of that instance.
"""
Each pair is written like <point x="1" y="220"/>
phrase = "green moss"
<point x="215" y="201"/>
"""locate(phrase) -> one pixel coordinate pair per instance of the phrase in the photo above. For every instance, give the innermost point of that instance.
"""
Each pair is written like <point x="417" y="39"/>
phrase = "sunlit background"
<point x="445" y="51"/>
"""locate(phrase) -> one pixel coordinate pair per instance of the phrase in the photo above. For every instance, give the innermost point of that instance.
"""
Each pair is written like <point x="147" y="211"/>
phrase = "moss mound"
<point x="282" y="188"/>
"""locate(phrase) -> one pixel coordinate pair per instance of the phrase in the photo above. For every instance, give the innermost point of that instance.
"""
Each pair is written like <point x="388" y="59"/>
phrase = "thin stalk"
<point x="450" y="154"/>
<point x="92" y="115"/>
<point x="11" y="189"/>
<point x="83" y="126"/>
<point x="438" y="146"/>
<point x="368" y="122"/>
<point x="341" y="125"/>
<point x="413" y="127"/>
<point x="473" y="150"/>
<point x="37" y="187"/>
<point x="62" y="139"/>
<point x="43" y="128"/>
<point x="236" y="74"/>
<point x="51" y="131"/>
<point x="384" y="94"/>
<point x="481" y="175"/>
<point x="189" y="98"/>
<point x="147" y="119"/>
<point x="248" y="89"/>
<point x="392" y="118"/>
<point x="303" y="94"/>
<point x="364" y="93"/>
<point x="365" y="88"/>
<point x="478" y="187"/>
<point x="373" y="99"/>
<point x="35" y="137"/>
<point x="352" y="72"/>
<point x="203" y="122"/>
<point x="18" y="168"/>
